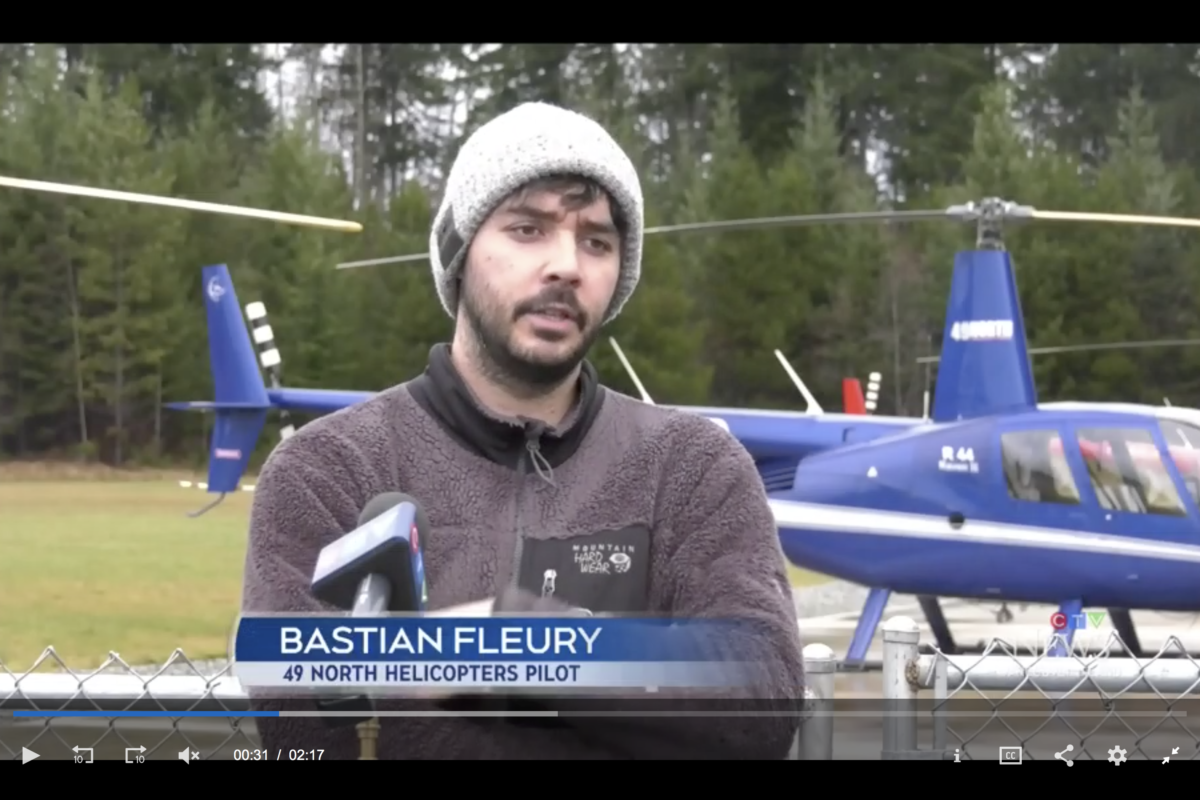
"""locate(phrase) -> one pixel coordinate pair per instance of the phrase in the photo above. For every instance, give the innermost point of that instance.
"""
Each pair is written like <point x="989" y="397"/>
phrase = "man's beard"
<point x="492" y="328"/>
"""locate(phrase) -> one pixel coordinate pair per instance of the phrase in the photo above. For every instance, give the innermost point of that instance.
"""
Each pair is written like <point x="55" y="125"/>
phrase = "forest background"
<point x="101" y="318"/>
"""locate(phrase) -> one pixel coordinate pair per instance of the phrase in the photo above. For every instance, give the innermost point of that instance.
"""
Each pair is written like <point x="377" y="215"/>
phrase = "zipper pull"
<point x="548" y="582"/>
<point x="540" y="465"/>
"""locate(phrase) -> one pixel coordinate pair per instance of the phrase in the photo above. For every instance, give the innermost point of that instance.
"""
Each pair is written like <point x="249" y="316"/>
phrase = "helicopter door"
<point x="1183" y="444"/>
<point x="1137" y="491"/>
<point x="1043" y="489"/>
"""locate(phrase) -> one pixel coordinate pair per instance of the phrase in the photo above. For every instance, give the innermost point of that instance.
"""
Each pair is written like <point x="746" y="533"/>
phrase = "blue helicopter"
<point x="990" y="498"/>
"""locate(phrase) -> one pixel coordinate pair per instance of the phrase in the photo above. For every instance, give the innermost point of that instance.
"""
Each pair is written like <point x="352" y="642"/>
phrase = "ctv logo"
<point x="1089" y="619"/>
<point x="1088" y="637"/>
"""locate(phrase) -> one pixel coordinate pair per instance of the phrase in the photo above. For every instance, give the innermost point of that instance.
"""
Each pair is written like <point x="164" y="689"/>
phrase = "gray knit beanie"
<point x="532" y="141"/>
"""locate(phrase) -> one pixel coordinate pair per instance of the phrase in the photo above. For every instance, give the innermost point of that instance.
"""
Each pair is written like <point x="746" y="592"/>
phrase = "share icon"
<point x="1059" y="756"/>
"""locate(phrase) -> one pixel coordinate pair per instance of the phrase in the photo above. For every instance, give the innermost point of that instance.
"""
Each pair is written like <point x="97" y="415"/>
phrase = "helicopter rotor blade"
<point x="1084" y="348"/>
<point x="722" y="226"/>
<point x="967" y="212"/>
<point x="190" y="205"/>
<point x="757" y="223"/>
<point x="374" y="262"/>
<point x="1124" y="219"/>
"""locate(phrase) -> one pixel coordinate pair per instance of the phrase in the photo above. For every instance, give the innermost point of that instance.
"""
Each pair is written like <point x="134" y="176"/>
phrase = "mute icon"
<point x="185" y="755"/>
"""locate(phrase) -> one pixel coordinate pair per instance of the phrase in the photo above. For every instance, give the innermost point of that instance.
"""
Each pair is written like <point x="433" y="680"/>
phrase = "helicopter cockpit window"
<point x="1035" y="468"/>
<point x="1127" y="472"/>
<point x="1184" y="443"/>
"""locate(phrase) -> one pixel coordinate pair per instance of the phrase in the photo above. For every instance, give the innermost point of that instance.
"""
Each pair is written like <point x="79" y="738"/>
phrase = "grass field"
<point x="105" y="561"/>
<point x="94" y="566"/>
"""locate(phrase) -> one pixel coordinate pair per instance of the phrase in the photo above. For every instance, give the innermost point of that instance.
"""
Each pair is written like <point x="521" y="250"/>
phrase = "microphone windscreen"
<point x="381" y="504"/>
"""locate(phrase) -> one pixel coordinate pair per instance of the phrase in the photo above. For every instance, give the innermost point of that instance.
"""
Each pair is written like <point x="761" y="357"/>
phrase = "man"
<point x="542" y="488"/>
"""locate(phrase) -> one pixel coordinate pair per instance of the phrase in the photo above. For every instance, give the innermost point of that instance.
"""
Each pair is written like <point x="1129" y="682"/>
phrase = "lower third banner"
<point x="331" y="652"/>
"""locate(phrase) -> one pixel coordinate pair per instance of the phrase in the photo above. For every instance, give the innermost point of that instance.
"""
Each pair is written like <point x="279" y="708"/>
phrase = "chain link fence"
<point x="178" y="685"/>
<point x="1011" y="705"/>
<point x="999" y="705"/>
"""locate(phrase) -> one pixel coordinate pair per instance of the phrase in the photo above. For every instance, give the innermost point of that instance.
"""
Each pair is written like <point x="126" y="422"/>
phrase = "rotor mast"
<point x="989" y="215"/>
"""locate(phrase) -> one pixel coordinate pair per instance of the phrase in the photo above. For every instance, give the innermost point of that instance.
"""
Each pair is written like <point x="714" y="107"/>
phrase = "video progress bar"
<point x="550" y="714"/>
<point x="377" y="714"/>
<point x="245" y="714"/>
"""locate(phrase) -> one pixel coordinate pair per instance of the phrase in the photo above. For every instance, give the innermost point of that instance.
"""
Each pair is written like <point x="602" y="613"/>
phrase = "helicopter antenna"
<point x="925" y="413"/>
<point x="813" y="406"/>
<point x="1167" y="402"/>
<point x="629" y="370"/>
<point x="189" y="205"/>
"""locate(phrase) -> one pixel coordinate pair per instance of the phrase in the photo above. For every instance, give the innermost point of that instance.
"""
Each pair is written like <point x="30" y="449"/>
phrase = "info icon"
<point x="1010" y="755"/>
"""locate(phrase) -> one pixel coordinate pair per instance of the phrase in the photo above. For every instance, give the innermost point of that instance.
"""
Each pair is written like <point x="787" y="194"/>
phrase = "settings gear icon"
<point x="1117" y="755"/>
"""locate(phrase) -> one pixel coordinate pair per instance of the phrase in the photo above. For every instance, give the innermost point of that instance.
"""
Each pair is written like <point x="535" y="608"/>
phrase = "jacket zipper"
<point x="533" y="437"/>
<point x="519" y="548"/>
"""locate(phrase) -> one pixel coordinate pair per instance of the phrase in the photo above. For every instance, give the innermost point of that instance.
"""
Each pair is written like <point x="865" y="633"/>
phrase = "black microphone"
<point x="377" y="567"/>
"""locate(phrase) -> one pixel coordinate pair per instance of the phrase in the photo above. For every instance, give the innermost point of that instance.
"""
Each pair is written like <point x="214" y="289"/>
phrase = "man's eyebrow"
<point x="533" y="212"/>
<point x="600" y="228"/>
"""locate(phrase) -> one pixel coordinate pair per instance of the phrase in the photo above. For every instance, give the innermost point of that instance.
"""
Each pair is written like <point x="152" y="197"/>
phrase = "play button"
<point x="27" y="755"/>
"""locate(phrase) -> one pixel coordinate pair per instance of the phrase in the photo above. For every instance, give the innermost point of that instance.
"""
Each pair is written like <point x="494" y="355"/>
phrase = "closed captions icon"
<point x="1010" y="755"/>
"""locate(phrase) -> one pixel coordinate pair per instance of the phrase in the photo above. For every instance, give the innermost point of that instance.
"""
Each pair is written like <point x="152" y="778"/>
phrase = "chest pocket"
<point x="605" y="572"/>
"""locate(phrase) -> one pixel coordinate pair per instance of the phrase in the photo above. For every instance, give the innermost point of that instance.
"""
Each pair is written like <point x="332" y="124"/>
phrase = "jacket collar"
<point x="443" y="394"/>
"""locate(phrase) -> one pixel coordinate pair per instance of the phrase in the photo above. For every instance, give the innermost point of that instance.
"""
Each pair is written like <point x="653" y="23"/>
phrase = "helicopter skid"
<point x="976" y="632"/>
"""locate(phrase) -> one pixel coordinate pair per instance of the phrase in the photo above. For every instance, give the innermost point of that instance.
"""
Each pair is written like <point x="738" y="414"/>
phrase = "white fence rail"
<point x="941" y="707"/>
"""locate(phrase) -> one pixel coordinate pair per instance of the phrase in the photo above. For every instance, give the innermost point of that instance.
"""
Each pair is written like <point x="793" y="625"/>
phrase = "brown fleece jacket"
<point x="628" y="508"/>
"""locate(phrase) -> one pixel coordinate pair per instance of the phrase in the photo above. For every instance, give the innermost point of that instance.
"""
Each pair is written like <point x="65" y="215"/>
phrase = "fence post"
<point x="820" y="675"/>
<point x="941" y="694"/>
<point x="901" y="662"/>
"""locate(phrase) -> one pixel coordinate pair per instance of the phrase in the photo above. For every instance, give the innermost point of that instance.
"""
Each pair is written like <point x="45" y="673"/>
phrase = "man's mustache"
<point x="556" y="296"/>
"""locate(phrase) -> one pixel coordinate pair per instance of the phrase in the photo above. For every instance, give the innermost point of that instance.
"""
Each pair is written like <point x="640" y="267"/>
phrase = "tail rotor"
<point x="874" y="382"/>
<point x="269" y="357"/>
<point x="853" y="400"/>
